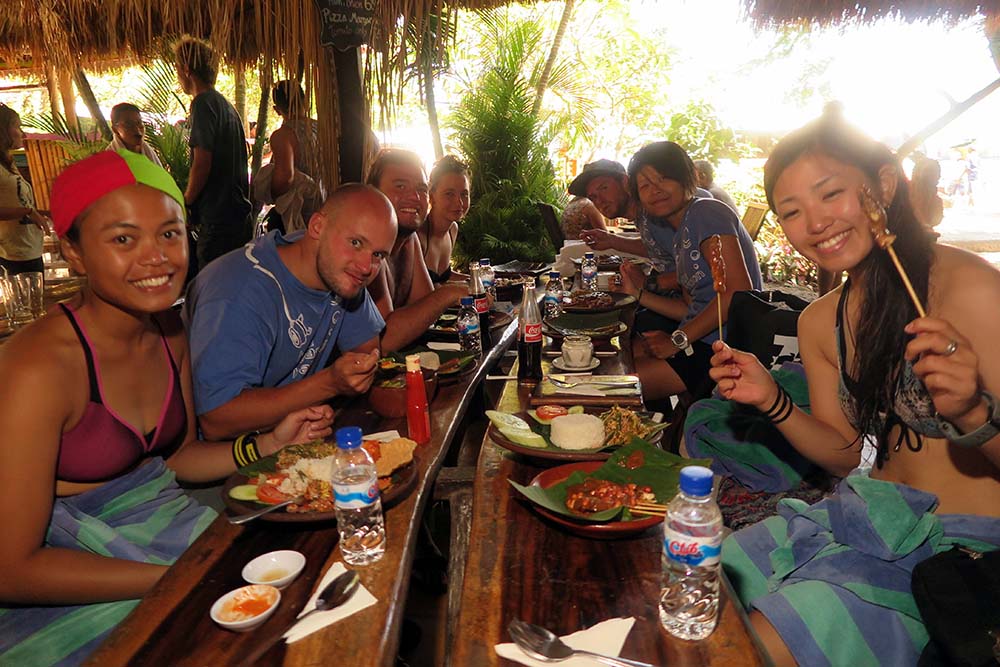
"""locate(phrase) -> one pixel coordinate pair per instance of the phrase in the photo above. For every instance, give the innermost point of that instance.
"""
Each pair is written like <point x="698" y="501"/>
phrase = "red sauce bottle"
<point x="418" y="414"/>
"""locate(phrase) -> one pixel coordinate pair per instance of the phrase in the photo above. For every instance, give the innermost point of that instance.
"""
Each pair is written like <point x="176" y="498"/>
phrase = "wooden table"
<point x="519" y="565"/>
<point x="171" y="626"/>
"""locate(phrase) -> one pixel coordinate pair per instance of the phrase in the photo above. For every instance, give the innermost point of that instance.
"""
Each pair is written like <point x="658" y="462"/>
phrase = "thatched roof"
<point x="825" y="12"/>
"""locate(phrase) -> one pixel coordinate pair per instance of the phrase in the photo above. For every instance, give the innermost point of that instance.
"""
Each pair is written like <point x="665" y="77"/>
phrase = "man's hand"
<point x="598" y="239"/>
<point x="659" y="344"/>
<point x="353" y="372"/>
<point x="305" y="425"/>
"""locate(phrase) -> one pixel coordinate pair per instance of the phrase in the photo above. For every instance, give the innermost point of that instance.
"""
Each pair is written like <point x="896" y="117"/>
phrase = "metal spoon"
<point x="542" y="644"/>
<point x="568" y="384"/>
<point x="243" y="518"/>
<point x="336" y="593"/>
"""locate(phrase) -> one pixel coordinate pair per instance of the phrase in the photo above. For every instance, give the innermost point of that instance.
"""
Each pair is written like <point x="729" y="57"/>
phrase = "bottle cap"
<point x="412" y="362"/>
<point x="485" y="261"/>
<point x="589" y="255"/>
<point x="554" y="275"/>
<point x="696" y="480"/>
<point x="349" y="437"/>
<point x="468" y="301"/>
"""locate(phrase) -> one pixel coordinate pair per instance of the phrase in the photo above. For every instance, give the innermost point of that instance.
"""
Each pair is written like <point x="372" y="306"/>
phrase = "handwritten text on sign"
<point x="346" y="24"/>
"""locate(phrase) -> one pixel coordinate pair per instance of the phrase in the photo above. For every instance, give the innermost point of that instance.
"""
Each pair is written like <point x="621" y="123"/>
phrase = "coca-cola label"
<point x="482" y="304"/>
<point x="532" y="333"/>
<point x="690" y="550"/>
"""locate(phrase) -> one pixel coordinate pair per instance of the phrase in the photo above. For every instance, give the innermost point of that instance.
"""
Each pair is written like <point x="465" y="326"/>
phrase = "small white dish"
<point x="276" y="568"/>
<point x="225" y="611"/>
<point x="560" y="363"/>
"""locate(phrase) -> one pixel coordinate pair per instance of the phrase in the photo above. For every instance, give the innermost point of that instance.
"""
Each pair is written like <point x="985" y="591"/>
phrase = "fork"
<point x="542" y="644"/>
<point x="243" y="518"/>
<point x="568" y="384"/>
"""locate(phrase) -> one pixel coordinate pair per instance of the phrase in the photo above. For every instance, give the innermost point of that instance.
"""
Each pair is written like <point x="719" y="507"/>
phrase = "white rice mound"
<point x="580" y="431"/>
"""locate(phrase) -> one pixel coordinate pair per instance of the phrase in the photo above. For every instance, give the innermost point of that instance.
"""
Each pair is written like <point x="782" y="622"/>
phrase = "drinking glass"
<point x="29" y="287"/>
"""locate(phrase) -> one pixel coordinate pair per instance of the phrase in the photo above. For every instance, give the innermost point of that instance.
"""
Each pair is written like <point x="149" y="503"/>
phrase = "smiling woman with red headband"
<point x="98" y="420"/>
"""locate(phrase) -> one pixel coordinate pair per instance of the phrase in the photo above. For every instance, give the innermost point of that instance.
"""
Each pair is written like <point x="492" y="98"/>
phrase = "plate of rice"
<point x="593" y="435"/>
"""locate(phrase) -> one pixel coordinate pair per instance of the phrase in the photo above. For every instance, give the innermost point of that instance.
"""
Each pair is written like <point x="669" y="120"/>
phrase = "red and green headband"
<point x="84" y="182"/>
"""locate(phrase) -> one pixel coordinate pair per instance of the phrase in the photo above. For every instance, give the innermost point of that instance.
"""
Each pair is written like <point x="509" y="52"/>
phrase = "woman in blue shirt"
<point x="662" y="179"/>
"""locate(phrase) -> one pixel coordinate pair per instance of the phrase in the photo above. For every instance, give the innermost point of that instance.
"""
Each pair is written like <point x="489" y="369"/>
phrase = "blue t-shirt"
<point x="658" y="237"/>
<point x="705" y="218"/>
<point x="252" y="324"/>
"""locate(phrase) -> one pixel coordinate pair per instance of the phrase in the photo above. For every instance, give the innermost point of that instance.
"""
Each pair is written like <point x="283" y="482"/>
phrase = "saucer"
<point x="558" y="363"/>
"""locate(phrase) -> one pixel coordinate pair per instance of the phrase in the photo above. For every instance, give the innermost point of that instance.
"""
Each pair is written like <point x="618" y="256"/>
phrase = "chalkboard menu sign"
<point x="346" y="23"/>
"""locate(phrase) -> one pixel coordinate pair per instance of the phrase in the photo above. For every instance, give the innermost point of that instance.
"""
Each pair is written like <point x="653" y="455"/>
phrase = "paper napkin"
<point x="607" y="637"/>
<point x="360" y="600"/>
<point x="442" y="347"/>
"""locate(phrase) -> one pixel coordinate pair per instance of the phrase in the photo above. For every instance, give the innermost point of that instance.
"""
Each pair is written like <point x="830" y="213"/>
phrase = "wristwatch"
<point x="680" y="339"/>
<point x="981" y="435"/>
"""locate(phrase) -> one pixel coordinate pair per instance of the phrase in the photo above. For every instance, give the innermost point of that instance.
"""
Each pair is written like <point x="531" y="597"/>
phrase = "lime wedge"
<point x="576" y="410"/>
<point x="504" y="420"/>
<point x="523" y="436"/>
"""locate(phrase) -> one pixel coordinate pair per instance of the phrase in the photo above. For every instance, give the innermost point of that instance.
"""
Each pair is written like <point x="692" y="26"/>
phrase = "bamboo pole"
<point x="68" y="98"/>
<point x="87" y="94"/>
<point x="956" y="110"/>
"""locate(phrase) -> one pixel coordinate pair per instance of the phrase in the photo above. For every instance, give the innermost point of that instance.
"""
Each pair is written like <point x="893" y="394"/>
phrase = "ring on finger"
<point x="952" y="347"/>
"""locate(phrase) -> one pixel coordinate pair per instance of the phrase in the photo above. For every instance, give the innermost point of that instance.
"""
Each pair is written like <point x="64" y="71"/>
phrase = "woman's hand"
<point x="741" y="377"/>
<point x="632" y="278"/>
<point x="305" y="425"/>
<point x="40" y="221"/>
<point x="945" y="362"/>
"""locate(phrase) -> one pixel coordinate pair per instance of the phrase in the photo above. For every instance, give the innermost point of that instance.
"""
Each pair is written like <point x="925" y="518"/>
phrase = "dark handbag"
<point x="958" y="595"/>
<point x="766" y="325"/>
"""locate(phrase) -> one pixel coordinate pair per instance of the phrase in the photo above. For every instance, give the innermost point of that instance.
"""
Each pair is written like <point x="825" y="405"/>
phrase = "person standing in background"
<point x="129" y="132"/>
<point x="22" y="227"/>
<point x="218" y="188"/>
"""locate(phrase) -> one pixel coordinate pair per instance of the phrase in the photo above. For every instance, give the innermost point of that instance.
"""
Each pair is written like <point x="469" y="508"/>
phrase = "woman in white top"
<point x="22" y="227"/>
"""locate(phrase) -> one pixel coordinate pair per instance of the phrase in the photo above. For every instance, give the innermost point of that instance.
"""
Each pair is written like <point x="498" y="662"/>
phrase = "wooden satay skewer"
<point x="718" y="263"/>
<point x="877" y="223"/>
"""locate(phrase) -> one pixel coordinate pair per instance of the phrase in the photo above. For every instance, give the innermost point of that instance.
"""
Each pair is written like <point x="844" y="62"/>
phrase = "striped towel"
<point x="142" y="516"/>
<point x="743" y="443"/>
<point x="834" y="578"/>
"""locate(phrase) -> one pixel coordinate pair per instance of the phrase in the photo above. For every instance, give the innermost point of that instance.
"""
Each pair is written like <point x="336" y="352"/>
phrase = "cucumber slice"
<point x="244" y="492"/>
<point x="524" y="436"/>
<point x="503" y="420"/>
<point x="576" y="410"/>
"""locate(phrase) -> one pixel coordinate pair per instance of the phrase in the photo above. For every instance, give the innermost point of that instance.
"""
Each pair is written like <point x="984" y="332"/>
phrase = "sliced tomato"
<point x="551" y="411"/>
<point x="269" y="493"/>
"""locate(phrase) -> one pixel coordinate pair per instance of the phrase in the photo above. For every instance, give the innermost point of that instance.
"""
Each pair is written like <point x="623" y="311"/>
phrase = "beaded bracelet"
<point x="245" y="449"/>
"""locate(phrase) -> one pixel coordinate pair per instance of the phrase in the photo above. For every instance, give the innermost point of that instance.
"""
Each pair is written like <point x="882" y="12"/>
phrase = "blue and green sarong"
<point x="143" y="516"/>
<point x="834" y="578"/>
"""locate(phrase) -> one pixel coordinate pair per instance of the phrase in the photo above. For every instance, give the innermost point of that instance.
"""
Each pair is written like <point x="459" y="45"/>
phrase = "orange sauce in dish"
<point x="247" y="604"/>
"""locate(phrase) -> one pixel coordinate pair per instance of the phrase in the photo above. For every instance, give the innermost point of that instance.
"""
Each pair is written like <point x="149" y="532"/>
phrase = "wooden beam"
<point x="83" y="85"/>
<point x="68" y="97"/>
<point x="957" y="110"/>
<point x="240" y="76"/>
<point x="353" y="114"/>
<point x="257" y="154"/>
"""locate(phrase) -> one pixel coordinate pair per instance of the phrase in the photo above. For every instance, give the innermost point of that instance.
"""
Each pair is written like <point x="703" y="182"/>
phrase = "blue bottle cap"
<point x="696" y="480"/>
<point x="349" y="437"/>
<point x="468" y="301"/>
<point x="485" y="261"/>
<point x="589" y="255"/>
<point x="555" y="274"/>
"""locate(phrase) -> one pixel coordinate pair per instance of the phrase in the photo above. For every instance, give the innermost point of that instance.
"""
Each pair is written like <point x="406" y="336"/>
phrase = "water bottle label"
<point x="551" y="299"/>
<point x="482" y="305"/>
<point x="533" y="333"/>
<point x="353" y="496"/>
<point x="469" y="328"/>
<point x="690" y="550"/>
<point x="487" y="282"/>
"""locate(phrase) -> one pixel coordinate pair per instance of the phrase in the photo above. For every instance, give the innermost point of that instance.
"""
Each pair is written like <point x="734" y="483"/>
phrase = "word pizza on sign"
<point x="346" y="24"/>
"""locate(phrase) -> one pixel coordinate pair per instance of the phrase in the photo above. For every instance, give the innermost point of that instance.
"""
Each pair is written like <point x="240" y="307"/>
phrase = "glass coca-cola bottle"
<point x="529" y="337"/>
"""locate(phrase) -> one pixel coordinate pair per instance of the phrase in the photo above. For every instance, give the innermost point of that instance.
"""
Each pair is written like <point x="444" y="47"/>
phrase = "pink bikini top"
<point x="102" y="445"/>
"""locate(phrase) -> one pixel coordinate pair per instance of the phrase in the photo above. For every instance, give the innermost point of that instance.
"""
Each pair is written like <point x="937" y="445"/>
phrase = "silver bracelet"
<point x="981" y="435"/>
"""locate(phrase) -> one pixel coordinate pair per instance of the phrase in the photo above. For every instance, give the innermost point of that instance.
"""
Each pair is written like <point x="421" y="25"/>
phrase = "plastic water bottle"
<point x="588" y="272"/>
<point x="553" y="295"/>
<point x="356" y="500"/>
<point x="488" y="276"/>
<point x="692" y="542"/>
<point x="469" y="335"/>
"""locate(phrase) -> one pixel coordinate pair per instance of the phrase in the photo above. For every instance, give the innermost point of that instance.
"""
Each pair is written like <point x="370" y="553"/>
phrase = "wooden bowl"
<point x="387" y="397"/>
